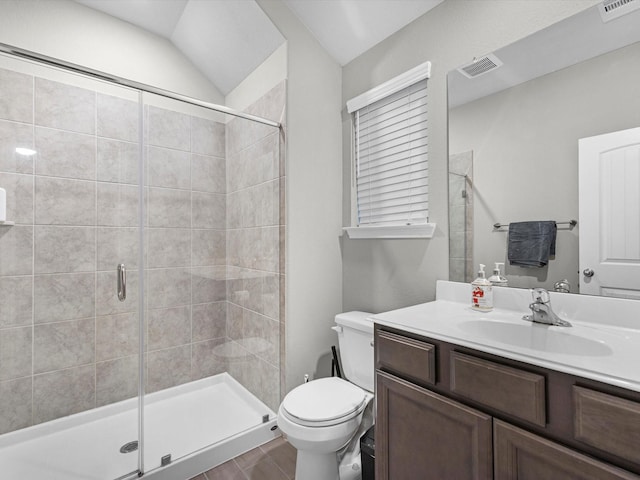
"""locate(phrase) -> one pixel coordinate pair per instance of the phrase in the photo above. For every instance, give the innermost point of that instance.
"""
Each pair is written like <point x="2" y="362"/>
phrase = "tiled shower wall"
<point x="66" y="343"/>
<point x="255" y="248"/>
<point x="461" y="267"/>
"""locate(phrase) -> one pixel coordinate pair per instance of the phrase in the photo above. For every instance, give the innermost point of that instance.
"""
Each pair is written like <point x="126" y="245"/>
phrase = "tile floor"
<point x="275" y="460"/>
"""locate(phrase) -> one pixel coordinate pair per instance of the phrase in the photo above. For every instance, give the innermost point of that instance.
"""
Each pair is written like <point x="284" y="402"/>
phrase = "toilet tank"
<point x="355" y="338"/>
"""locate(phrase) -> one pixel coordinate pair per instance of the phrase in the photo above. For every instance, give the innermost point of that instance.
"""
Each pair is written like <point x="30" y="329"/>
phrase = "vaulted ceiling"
<point x="228" y="39"/>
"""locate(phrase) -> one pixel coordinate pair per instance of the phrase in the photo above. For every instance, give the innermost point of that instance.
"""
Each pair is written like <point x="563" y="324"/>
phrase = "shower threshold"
<point x="199" y="424"/>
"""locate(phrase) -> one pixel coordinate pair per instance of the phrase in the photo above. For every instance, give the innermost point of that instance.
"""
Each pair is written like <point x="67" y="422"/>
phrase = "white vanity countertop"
<point x="603" y="344"/>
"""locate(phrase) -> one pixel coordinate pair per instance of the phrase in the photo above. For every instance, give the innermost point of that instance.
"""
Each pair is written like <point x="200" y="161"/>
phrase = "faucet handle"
<point x="540" y="295"/>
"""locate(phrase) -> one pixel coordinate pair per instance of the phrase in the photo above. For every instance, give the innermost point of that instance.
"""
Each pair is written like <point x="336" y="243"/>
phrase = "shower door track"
<point x="55" y="62"/>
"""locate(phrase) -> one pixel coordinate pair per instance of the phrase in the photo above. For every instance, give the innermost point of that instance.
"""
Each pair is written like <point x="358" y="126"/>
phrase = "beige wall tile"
<point x="262" y="337"/>
<point x="169" y="168"/>
<point x="168" y="129"/>
<point x="117" y="245"/>
<point x="65" y="249"/>
<point x="66" y="107"/>
<point x="208" y="210"/>
<point x="107" y="302"/>
<point x="168" y="368"/>
<point x="19" y="190"/>
<point x="208" y="174"/>
<point x="169" y="208"/>
<point x="16" y="245"/>
<point x="15" y="404"/>
<point x="16" y="100"/>
<point x="207" y="137"/>
<point x="117" y="161"/>
<point x="169" y="327"/>
<point x="65" y="154"/>
<point x="64" y="392"/>
<point x="63" y="345"/>
<point x="14" y="135"/>
<point x="235" y="321"/>
<point x="117" y="336"/>
<point x="117" y="118"/>
<point x="65" y="202"/>
<point x="15" y="352"/>
<point x="16" y="307"/>
<point x="208" y="247"/>
<point x="209" y="284"/>
<point x="116" y="380"/>
<point x="169" y="247"/>
<point x="209" y="321"/>
<point x="169" y="287"/>
<point x="117" y="205"/>
<point x="271" y="296"/>
<point x="63" y="297"/>
<point x="206" y="360"/>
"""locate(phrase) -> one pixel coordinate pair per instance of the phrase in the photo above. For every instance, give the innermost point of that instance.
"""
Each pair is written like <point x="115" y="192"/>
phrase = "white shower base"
<point x="201" y="424"/>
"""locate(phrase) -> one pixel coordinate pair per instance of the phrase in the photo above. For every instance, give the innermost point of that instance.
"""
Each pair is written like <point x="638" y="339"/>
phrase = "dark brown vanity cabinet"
<point x="525" y="456"/>
<point x="449" y="412"/>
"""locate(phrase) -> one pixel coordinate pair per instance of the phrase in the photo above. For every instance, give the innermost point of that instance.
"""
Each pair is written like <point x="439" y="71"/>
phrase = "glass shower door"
<point x="69" y="363"/>
<point x="213" y="279"/>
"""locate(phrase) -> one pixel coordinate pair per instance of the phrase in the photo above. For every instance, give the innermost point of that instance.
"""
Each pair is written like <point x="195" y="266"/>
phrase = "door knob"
<point x="587" y="272"/>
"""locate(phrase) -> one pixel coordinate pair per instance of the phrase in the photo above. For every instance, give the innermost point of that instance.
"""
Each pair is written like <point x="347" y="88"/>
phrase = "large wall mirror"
<point x="515" y="120"/>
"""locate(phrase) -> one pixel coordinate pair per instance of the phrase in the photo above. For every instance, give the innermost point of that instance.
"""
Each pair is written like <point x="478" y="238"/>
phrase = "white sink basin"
<point x="535" y="336"/>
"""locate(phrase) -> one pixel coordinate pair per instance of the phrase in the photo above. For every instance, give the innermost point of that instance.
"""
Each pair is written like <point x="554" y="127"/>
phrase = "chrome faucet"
<point x="541" y="309"/>
<point x="563" y="286"/>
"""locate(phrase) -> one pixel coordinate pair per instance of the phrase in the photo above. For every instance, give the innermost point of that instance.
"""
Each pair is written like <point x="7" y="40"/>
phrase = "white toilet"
<point x="320" y="417"/>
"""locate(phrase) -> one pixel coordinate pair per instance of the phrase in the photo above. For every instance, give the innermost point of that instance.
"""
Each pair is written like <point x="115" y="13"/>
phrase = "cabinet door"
<point x="524" y="456"/>
<point x="421" y="435"/>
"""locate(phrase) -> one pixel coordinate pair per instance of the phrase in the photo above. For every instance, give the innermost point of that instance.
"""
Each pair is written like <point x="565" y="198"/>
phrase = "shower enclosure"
<point x="140" y="277"/>
<point x="461" y="193"/>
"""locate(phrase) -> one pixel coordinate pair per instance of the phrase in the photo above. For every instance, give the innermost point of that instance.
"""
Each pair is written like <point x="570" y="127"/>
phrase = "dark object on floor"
<point x="368" y="454"/>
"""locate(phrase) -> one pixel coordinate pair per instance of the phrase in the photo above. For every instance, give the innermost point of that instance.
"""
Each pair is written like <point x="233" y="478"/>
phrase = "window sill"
<point x="395" y="231"/>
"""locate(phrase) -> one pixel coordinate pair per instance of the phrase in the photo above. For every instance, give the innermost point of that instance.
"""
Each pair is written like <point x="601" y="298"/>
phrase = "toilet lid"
<point x="326" y="401"/>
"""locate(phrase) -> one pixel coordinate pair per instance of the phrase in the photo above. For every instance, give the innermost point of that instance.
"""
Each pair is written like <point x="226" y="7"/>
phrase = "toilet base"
<point x="316" y="466"/>
<point x="351" y="470"/>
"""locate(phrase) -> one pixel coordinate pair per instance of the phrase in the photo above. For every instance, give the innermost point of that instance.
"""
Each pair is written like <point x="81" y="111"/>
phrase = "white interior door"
<point x="609" y="199"/>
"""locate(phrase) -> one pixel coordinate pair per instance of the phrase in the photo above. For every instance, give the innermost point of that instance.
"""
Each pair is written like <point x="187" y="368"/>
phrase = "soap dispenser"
<point x="481" y="292"/>
<point x="497" y="280"/>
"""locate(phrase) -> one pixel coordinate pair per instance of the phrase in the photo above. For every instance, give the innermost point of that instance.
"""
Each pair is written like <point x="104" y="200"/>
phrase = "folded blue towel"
<point x="531" y="243"/>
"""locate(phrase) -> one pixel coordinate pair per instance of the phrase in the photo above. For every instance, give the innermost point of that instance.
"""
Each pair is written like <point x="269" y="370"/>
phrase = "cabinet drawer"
<point x="607" y="422"/>
<point x="406" y="357"/>
<point x="508" y="389"/>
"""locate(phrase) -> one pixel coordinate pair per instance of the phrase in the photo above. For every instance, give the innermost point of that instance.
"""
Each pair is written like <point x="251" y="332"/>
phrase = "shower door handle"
<point x="122" y="282"/>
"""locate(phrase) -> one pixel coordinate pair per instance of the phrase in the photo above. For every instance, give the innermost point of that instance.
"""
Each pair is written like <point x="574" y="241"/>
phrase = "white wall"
<point x="381" y="275"/>
<point x="314" y="198"/>
<point x="270" y="73"/>
<point x="75" y="33"/>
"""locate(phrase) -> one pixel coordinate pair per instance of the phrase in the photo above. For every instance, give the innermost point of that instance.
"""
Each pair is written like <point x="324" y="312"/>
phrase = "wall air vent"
<point x="480" y="66"/>
<point x="610" y="9"/>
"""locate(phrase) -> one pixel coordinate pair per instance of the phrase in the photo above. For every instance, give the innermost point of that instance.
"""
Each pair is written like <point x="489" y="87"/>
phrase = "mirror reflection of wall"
<point x="525" y="148"/>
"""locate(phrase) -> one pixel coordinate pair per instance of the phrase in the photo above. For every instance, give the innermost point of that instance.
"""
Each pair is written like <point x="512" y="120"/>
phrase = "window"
<point x="391" y="185"/>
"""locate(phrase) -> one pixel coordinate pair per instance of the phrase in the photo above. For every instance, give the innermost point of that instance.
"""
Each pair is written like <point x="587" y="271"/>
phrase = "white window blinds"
<point x="391" y="158"/>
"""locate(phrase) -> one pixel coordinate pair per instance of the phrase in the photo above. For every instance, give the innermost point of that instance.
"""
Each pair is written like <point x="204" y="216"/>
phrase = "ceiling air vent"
<point x="610" y="9"/>
<point x="480" y="66"/>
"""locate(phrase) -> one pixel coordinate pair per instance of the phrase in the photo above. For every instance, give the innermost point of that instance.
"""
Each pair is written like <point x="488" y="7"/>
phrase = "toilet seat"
<point x="324" y="402"/>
